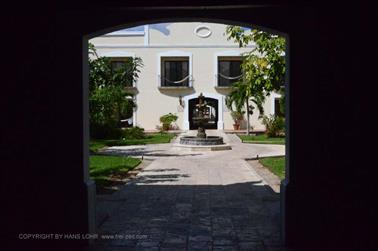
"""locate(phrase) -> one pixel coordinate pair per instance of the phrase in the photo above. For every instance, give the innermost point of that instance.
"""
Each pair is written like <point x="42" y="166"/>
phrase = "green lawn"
<point x="275" y="164"/>
<point x="262" y="139"/>
<point x="157" y="138"/>
<point x="102" y="167"/>
<point x="95" y="145"/>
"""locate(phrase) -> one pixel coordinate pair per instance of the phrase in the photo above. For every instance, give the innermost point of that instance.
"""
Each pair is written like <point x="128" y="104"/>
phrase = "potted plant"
<point x="167" y="120"/>
<point x="237" y="116"/>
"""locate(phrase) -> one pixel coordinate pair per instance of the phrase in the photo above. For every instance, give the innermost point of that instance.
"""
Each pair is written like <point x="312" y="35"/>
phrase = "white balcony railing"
<point x="165" y="82"/>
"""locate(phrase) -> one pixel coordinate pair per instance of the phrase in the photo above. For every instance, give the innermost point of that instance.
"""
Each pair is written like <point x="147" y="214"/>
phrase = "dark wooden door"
<point x="211" y="113"/>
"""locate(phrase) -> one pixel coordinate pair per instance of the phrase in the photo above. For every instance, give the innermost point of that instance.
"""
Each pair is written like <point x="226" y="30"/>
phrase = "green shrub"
<point x="167" y="121"/>
<point x="105" y="131"/>
<point x="109" y="101"/>
<point x="134" y="133"/>
<point x="274" y="125"/>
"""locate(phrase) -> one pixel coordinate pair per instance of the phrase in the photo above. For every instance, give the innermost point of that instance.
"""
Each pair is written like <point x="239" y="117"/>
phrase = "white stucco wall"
<point x="153" y="102"/>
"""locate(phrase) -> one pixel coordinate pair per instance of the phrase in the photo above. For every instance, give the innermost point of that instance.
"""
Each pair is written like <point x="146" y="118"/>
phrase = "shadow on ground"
<point x="150" y="215"/>
<point x="143" y="152"/>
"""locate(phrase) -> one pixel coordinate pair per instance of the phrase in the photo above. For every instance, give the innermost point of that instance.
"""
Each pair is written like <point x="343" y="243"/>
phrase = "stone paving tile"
<point x="200" y="238"/>
<point x="199" y="246"/>
<point x="199" y="220"/>
<point x="178" y="228"/>
<point x="202" y="211"/>
<point x="226" y="248"/>
<point x="219" y="221"/>
<point x="248" y="246"/>
<point x="146" y="248"/>
<point x="172" y="248"/>
<point x="174" y="239"/>
<point x="242" y="222"/>
<point x="201" y="229"/>
<point x="180" y="220"/>
<point x="225" y="233"/>
<point x="147" y="244"/>
<point x="223" y="241"/>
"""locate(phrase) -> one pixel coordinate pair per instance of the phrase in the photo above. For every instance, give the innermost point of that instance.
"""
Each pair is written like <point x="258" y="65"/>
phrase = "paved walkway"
<point x="194" y="201"/>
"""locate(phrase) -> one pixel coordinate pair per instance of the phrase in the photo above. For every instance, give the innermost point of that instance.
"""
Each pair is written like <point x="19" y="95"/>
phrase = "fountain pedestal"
<point x="201" y="133"/>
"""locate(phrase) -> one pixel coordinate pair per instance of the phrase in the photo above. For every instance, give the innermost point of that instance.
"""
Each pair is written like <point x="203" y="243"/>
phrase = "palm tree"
<point x="240" y="98"/>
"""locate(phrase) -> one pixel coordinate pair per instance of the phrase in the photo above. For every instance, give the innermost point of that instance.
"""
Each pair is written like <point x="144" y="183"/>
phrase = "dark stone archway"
<point x="330" y="190"/>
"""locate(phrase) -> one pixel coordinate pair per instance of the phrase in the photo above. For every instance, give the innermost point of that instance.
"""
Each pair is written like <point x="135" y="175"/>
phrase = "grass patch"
<point x="158" y="138"/>
<point x="262" y="139"/>
<point x="275" y="164"/>
<point x="149" y="139"/>
<point x="102" y="168"/>
<point x="95" y="145"/>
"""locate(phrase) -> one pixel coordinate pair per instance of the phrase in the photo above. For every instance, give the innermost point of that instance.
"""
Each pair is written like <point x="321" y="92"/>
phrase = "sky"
<point x="162" y="27"/>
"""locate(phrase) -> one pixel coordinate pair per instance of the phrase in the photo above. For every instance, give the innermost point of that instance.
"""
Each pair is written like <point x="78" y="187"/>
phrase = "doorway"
<point x="211" y="113"/>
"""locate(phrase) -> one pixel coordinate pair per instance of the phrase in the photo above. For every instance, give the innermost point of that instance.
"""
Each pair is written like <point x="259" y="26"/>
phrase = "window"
<point x="229" y="70"/>
<point x="277" y="107"/>
<point x="117" y="64"/>
<point x="175" y="71"/>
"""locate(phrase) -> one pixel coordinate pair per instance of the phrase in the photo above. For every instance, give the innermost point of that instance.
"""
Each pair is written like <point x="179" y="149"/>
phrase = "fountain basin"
<point x="210" y="140"/>
<point x="210" y="143"/>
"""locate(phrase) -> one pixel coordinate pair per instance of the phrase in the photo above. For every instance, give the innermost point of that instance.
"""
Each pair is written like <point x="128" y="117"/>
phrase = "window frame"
<point x="122" y="59"/>
<point x="163" y="68"/>
<point x="227" y="59"/>
<point x="224" y="54"/>
<point x="273" y="97"/>
<point x="118" y="56"/>
<point x="174" y="54"/>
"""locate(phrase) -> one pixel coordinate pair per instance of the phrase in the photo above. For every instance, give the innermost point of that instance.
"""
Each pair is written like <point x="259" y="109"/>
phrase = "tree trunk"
<point x="247" y="108"/>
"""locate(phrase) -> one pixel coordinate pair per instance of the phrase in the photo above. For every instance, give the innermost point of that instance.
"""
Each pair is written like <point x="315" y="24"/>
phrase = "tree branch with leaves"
<point x="263" y="68"/>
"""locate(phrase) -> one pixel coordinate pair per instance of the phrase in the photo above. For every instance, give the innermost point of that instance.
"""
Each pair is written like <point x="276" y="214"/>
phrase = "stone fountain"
<point x="202" y="141"/>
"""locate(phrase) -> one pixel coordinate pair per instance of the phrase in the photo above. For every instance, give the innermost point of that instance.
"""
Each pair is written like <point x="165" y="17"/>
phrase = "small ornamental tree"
<point x="241" y="100"/>
<point x="263" y="67"/>
<point x="109" y="102"/>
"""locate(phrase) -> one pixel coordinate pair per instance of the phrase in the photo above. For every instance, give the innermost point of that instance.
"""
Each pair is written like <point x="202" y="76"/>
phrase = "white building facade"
<point x="180" y="61"/>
